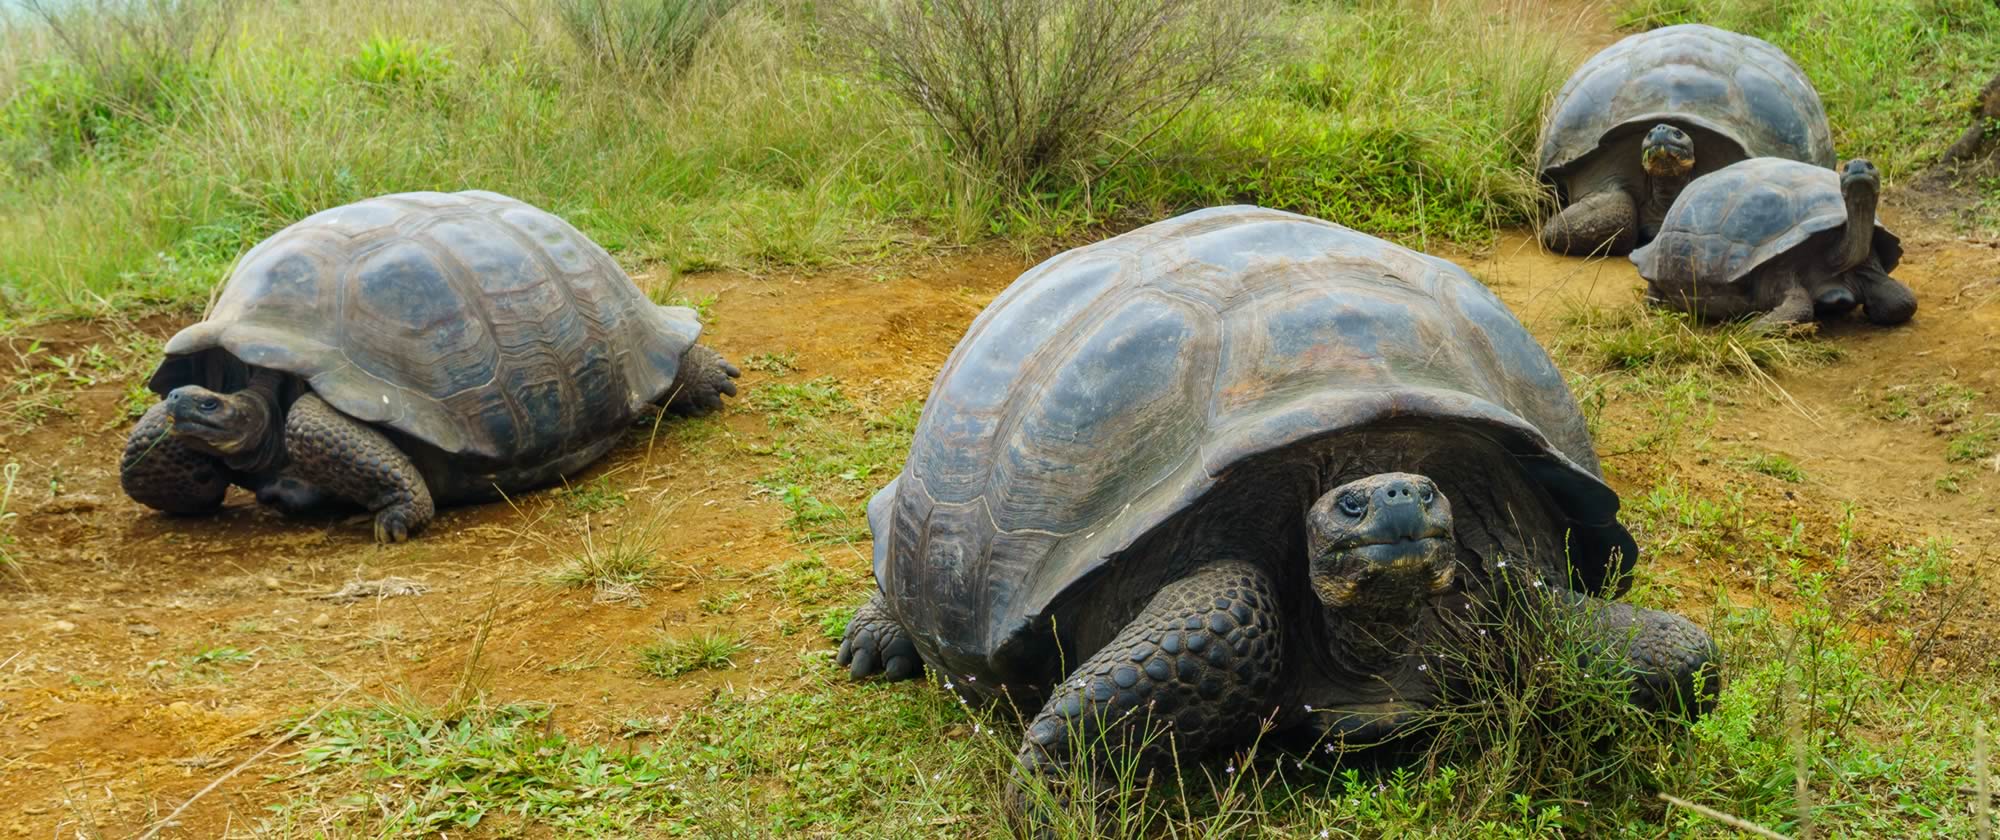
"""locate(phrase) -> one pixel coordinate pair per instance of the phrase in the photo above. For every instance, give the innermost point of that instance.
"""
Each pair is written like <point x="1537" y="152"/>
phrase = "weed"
<point x="1775" y="466"/>
<point x="1940" y="404"/>
<point x="1978" y="442"/>
<point x="389" y="62"/>
<point x="671" y="655"/>
<point x="1952" y="482"/>
<point x="618" y="568"/>
<point x="596" y="496"/>
<point x="136" y="400"/>
<point x="723" y="603"/>
<point x="776" y="364"/>
<point x="833" y="622"/>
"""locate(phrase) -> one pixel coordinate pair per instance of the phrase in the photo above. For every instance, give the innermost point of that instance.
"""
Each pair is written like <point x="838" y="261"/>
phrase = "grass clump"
<point x="1775" y="466"/>
<point x="616" y="568"/>
<point x="1979" y="442"/>
<point x="1026" y="87"/>
<point x="1647" y="337"/>
<point x="672" y="655"/>
<point x="648" y="38"/>
<point x="9" y="473"/>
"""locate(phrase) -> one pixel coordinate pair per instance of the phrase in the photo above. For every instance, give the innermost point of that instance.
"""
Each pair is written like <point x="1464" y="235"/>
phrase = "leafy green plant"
<point x="389" y="61"/>
<point x="672" y="655"/>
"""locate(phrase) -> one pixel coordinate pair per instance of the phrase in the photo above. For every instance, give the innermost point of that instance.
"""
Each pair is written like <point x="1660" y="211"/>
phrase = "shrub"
<point x="1024" y="87"/>
<point x="655" y="38"/>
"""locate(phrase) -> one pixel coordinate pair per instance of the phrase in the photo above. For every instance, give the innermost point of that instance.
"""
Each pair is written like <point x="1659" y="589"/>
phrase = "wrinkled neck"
<point x="1660" y="192"/>
<point x="1371" y="640"/>
<point x="1859" y="235"/>
<point x="261" y="397"/>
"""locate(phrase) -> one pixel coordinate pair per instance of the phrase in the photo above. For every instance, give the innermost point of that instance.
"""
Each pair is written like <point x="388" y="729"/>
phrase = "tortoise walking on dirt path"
<point x="1787" y="239"/>
<point x="1242" y="464"/>
<point x="1646" y="115"/>
<point x="408" y="351"/>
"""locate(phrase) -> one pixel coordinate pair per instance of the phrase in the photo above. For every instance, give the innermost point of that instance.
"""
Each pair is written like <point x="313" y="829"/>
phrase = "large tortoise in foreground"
<point x="1242" y="464"/>
<point x="1646" y="115"/>
<point x="408" y="351"/>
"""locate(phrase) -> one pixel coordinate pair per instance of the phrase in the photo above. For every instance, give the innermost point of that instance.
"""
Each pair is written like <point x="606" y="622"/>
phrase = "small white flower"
<point x="948" y="686"/>
<point x="1309" y="707"/>
<point x="1423" y="667"/>
<point x="1230" y="770"/>
<point x="976" y="729"/>
<point x="972" y="679"/>
<point x="1329" y="749"/>
<point x="1538" y="584"/>
<point x="1503" y="564"/>
<point x="1482" y="631"/>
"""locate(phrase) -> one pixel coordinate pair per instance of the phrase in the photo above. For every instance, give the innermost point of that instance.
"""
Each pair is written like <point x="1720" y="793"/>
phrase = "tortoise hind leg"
<point x="1603" y="222"/>
<point x="162" y="473"/>
<point x="876" y="642"/>
<point x="704" y="378"/>
<point x="346" y="458"/>
<point x="1193" y="672"/>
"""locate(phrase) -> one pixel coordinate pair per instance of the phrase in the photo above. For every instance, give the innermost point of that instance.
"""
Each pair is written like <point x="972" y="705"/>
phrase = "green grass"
<point x="616" y="565"/>
<point x="1775" y="466"/>
<point x="673" y="655"/>
<point x="1979" y="442"/>
<point x="1646" y="337"/>
<point x="830" y="454"/>
<point x="9" y="473"/>
<point x="777" y="156"/>
<point x="1895" y="75"/>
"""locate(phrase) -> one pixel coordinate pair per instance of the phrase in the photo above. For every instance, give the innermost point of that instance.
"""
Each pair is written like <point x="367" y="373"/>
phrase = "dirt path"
<point x="141" y="656"/>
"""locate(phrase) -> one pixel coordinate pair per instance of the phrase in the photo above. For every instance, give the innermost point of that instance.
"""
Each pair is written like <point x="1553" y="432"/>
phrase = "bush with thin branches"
<point x="1022" y="88"/>
<point x="650" y="38"/>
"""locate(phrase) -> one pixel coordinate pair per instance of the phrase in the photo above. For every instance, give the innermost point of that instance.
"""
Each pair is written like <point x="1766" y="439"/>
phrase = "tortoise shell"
<point x="1112" y="388"/>
<point x="1729" y="222"/>
<point x="1734" y="85"/>
<point x="471" y="321"/>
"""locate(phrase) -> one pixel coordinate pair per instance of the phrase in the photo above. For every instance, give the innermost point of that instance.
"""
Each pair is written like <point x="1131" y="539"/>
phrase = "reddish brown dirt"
<point x="111" y="722"/>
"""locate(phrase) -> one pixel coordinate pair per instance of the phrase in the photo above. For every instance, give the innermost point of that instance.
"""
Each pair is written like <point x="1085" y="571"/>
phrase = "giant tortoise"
<point x="1239" y="465"/>
<point x="1782" y="238"/>
<point x="1622" y="136"/>
<point x="407" y="351"/>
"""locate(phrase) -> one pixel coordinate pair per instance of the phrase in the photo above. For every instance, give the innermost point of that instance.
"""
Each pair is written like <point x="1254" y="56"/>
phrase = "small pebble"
<point x="147" y="630"/>
<point x="115" y="587"/>
<point x="270" y="583"/>
<point x="322" y="620"/>
<point x="62" y="626"/>
<point x="180" y="707"/>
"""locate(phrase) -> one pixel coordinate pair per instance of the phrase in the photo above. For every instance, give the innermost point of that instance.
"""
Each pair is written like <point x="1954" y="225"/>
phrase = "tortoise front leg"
<point x="1603" y="222"/>
<point x="162" y="473"/>
<point x="336" y="454"/>
<point x="1884" y="299"/>
<point x="1671" y="663"/>
<point x="1193" y="672"/>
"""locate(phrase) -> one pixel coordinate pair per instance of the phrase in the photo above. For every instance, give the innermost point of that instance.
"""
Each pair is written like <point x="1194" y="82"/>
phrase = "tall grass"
<point x="763" y="150"/>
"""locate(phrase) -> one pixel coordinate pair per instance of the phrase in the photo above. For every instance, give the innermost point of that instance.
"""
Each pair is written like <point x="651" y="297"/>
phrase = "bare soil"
<point x="142" y="656"/>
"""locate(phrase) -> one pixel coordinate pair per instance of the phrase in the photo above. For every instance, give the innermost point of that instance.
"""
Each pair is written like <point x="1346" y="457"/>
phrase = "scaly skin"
<point x="703" y="379"/>
<point x="344" y="457"/>
<point x="165" y="474"/>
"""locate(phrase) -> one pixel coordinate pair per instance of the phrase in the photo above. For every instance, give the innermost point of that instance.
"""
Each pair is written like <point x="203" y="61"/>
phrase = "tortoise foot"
<point x="875" y="643"/>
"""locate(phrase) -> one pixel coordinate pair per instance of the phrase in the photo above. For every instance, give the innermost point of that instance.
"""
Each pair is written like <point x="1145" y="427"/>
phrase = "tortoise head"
<point x="1667" y="152"/>
<point x="1381" y="544"/>
<point x="218" y="424"/>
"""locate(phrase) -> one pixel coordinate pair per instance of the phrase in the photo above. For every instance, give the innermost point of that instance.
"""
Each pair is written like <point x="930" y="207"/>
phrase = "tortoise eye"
<point x="1426" y="495"/>
<point x="209" y="404"/>
<point x="1352" y="506"/>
